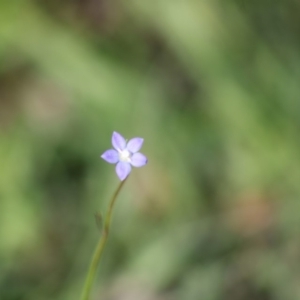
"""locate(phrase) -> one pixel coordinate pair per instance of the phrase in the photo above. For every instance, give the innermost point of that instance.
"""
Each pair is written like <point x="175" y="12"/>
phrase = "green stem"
<point x="100" y="246"/>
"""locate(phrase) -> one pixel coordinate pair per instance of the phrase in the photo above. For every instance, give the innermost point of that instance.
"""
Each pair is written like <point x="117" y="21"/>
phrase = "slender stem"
<point x="100" y="246"/>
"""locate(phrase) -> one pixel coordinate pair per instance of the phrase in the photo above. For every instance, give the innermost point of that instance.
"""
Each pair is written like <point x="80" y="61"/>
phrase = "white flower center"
<point x="124" y="155"/>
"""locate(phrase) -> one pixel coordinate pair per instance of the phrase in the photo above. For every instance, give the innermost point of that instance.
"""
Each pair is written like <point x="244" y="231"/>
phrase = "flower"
<point x="125" y="154"/>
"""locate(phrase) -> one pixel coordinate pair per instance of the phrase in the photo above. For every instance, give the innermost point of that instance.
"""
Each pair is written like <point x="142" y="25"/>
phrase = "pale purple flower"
<point x="125" y="154"/>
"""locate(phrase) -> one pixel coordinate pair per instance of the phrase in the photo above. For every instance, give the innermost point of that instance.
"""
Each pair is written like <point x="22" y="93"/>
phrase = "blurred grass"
<point x="213" y="88"/>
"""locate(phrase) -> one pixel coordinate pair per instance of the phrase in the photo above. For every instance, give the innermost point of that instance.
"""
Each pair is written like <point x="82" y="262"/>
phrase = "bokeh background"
<point x="212" y="86"/>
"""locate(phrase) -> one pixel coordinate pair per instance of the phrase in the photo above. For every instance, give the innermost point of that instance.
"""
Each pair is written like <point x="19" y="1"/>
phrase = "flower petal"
<point x="138" y="159"/>
<point x="135" y="144"/>
<point x="118" y="141"/>
<point x="123" y="169"/>
<point x="111" y="156"/>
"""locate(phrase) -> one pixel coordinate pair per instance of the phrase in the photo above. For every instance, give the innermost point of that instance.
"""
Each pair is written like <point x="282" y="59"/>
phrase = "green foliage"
<point x="212" y="86"/>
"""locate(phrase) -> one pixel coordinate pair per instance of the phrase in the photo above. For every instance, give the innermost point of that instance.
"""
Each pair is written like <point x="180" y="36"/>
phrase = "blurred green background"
<point x="212" y="86"/>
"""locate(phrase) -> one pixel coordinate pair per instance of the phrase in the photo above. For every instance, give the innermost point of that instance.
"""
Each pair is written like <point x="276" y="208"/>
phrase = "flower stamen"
<point x="124" y="155"/>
